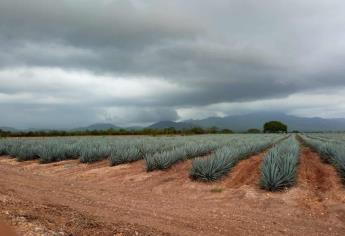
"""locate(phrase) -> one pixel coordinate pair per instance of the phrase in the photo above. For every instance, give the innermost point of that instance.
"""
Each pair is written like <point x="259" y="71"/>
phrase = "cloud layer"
<point x="70" y="63"/>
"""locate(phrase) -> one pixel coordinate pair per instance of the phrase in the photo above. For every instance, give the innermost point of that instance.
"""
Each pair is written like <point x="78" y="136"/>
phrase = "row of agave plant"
<point x="279" y="166"/>
<point x="159" y="152"/>
<point x="326" y="138"/>
<point x="225" y="158"/>
<point x="167" y="158"/>
<point x="330" y="152"/>
<point x="90" y="149"/>
<point x="329" y="137"/>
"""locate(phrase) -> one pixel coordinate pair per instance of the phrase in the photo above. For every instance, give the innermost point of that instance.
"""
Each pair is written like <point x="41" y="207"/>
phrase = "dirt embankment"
<point x="70" y="198"/>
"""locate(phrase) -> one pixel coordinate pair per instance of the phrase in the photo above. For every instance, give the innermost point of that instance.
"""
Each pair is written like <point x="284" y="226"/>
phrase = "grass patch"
<point x="217" y="190"/>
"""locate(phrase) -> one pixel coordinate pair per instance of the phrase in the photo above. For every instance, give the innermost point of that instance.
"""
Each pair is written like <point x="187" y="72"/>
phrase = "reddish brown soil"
<point x="247" y="172"/>
<point x="69" y="198"/>
<point x="6" y="230"/>
<point x="321" y="189"/>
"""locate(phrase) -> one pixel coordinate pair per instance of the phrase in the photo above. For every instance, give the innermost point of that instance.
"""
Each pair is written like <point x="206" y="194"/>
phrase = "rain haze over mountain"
<point x="66" y="64"/>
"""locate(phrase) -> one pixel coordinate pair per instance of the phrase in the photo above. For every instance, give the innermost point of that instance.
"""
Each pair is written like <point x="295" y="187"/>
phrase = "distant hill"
<point x="237" y="123"/>
<point x="256" y="120"/>
<point x="8" y="129"/>
<point x="98" y="126"/>
<point x="171" y="124"/>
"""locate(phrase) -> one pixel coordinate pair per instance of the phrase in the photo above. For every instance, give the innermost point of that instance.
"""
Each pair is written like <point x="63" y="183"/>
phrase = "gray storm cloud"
<point x="135" y="62"/>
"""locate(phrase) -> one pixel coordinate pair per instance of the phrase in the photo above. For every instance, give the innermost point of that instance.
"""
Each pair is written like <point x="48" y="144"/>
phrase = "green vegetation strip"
<point x="225" y="158"/>
<point x="279" y="167"/>
<point x="166" y="159"/>
<point x="87" y="149"/>
<point x="159" y="152"/>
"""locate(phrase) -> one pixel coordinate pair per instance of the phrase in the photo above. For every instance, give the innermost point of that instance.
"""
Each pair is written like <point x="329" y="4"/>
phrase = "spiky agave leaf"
<point x="92" y="153"/>
<point x="165" y="159"/>
<point x="326" y="152"/>
<point x="51" y="152"/>
<point x="337" y="159"/>
<point x="279" y="167"/>
<point x="27" y="152"/>
<point x="225" y="158"/>
<point x="124" y="154"/>
<point x="214" y="167"/>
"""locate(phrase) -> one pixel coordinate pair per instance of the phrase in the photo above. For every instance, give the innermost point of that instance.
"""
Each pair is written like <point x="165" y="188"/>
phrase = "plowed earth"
<point x="69" y="198"/>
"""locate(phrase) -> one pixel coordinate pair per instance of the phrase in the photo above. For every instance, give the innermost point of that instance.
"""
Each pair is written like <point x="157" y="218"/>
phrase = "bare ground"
<point x="69" y="198"/>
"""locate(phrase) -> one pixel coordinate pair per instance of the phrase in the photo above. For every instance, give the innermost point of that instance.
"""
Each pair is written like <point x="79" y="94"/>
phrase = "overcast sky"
<point x="71" y="63"/>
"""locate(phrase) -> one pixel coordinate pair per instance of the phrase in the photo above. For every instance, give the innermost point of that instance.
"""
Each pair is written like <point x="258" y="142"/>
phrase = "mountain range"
<point x="257" y="120"/>
<point x="236" y="123"/>
<point x="97" y="126"/>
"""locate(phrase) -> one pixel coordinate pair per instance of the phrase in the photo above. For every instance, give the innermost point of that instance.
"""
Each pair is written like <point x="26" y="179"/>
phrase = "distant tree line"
<point x="4" y="133"/>
<point x="269" y="127"/>
<point x="145" y="131"/>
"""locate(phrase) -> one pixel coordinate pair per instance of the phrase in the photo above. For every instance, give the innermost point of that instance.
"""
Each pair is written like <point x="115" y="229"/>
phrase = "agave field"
<point x="213" y="156"/>
<point x="223" y="151"/>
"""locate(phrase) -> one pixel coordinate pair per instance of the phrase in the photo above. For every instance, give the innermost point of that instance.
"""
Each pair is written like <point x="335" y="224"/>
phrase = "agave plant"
<point x="51" y="152"/>
<point x="214" y="167"/>
<point x="125" y="154"/>
<point x="27" y="152"/>
<point x="279" y="167"/>
<point x="93" y="153"/>
<point x="5" y="145"/>
<point x="225" y="158"/>
<point x="164" y="159"/>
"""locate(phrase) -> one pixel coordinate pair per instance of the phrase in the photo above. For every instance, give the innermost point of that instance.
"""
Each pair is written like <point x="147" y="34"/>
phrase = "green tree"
<point x="212" y="130"/>
<point x="197" y="130"/>
<point x="226" y="131"/>
<point x="253" y="131"/>
<point x="275" y="127"/>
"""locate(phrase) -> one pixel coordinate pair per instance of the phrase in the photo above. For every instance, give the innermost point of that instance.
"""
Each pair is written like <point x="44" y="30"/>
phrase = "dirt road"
<point x="69" y="198"/>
